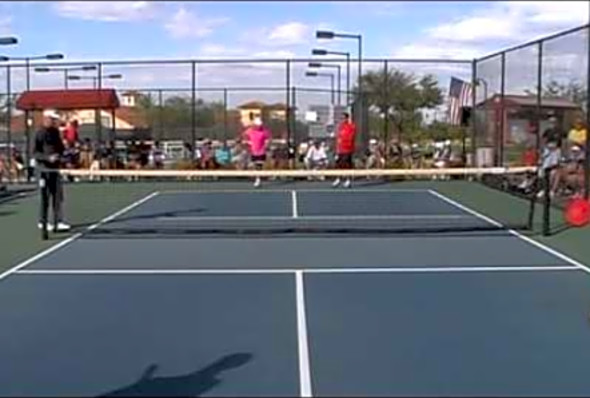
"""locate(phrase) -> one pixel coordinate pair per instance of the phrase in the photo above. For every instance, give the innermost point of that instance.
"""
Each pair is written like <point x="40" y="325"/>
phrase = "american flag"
<point x="459" y="96"/>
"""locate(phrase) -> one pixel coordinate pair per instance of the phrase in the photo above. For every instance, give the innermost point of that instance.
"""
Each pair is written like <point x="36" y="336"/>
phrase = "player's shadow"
<point x="192" y="384"/>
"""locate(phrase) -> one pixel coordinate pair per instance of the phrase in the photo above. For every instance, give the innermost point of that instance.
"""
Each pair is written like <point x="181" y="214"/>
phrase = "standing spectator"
<point x="48" y="151"/>
<point x="345" y="147"/>
<point x="258" y="138"/>
<point x="71" y="134"/>
<point x="551" y="156"/>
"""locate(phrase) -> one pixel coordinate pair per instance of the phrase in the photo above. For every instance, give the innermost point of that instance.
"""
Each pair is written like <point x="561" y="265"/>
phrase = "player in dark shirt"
<point x="48" y="152"/>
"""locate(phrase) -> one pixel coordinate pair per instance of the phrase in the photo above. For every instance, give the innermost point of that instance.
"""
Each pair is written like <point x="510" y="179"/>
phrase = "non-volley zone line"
<point x="292" y="271"/>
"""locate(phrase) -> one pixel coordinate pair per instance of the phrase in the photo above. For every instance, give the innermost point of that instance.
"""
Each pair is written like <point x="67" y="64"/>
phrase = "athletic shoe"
<point x="336" y="182"/>
<point x="61" y="226"/>
<point x="257" y="183"/>
<point x="347" y="184"/>
<point x="40" y="226"/>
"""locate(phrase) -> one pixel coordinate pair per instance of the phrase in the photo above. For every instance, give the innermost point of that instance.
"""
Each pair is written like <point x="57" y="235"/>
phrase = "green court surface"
<point x="88" y="203"/>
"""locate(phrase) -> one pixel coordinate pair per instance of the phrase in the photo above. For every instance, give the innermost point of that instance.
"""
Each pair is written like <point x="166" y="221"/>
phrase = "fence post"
<point x="193" y="108"/>
<point x="98" y="112"/>
<point x="386" y="101"/>
<point x="160" y="115"/>
<point x="294" y="121"/>
<point x="225" y="121"/>
<point x="474" y="112"/>
<point x="502" y="109"/>
<point x="587" y="152"/>
<point x="538" y="147"/>
<point x="288" y="100"/>
<point x="9" y="118"/>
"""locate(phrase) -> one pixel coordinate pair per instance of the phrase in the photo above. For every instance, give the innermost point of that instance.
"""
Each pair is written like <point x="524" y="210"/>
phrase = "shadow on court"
<point x="189" y="385"/>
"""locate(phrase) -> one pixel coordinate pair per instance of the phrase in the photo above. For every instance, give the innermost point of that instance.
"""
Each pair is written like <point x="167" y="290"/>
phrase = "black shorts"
<point x="258" y="158"/>
<point x="344" y="161"/>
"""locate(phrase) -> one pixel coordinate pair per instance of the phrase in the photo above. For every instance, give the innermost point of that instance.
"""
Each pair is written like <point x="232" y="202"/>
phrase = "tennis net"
<point x="143" y="203"/>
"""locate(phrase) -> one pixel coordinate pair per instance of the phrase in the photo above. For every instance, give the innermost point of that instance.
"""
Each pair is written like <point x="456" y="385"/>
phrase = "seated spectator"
<point x="316" y="158"/>
<point x="207" y="157"/>
<point x="577" y="135"/>
<point x="375" y="157"/>
<point x="157" y="156"/>
<point x="223" y="155"/>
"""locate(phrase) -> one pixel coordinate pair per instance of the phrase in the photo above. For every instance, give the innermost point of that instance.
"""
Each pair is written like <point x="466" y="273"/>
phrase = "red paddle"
<point x="577" y="212"/>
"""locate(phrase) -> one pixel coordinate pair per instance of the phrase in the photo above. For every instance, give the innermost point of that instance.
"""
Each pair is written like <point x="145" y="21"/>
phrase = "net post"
<point x="546" y="201"/>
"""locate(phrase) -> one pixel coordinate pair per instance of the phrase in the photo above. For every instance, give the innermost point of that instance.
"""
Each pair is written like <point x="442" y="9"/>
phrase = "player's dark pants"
<point x="51" y="186"/>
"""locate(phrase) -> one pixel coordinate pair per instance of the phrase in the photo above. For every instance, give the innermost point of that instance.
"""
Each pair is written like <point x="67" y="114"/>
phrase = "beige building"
<point x="254" y="109"/>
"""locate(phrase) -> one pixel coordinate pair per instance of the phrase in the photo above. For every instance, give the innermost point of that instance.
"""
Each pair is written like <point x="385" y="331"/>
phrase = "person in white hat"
<point x="48" y="152"/>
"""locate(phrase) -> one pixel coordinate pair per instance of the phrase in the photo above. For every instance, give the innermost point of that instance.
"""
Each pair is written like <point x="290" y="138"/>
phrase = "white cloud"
<point x="289" y="34"/>
<point x="106" y="11"/>
<point x="431" y="50"/>
<point x="5" y="25"/>
<point x="186" y="24"/>
<point x="496" y="26"/>
<point x="475" y="29"/>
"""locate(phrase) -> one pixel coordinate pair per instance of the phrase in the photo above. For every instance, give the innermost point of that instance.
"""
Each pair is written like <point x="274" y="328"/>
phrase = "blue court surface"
<point x="423" y="314"/>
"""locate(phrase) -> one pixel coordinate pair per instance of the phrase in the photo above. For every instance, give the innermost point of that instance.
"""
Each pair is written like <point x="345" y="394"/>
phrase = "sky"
<point x="141" y="30"/>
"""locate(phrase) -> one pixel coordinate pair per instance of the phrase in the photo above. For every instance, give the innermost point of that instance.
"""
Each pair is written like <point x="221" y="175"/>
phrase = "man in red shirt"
<point x="345" y="147"/>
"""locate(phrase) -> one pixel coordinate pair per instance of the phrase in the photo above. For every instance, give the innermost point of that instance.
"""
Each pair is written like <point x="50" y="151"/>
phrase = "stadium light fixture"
<point x="8" y="41"/>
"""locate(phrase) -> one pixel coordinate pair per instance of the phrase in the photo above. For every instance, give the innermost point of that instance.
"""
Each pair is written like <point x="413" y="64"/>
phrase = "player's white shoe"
<point x="257" y="182"/>
<point x="347" y="183"/>
<point x="336" y="183"/>
<point x="62" y="227"/>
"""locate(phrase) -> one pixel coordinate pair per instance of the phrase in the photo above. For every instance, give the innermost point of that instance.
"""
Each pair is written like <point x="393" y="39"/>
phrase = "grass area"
<point x="88" y="203"/>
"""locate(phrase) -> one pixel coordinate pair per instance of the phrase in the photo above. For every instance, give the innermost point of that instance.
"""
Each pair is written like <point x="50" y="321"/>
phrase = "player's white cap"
<point x="51" y="113"/>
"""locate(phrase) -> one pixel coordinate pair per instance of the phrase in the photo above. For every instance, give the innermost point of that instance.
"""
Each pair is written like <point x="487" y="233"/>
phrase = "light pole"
<point x="66" y="71"/>
<point x="330" y="75"/>
<point x="319" y="51"/>
<point x="95" y="78"/>
<point x="28" y="62"/>
<point x="323" y="65"/>
<point x="324" y="34"/>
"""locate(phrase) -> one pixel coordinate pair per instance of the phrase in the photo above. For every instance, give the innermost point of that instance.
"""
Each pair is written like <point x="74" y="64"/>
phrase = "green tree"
<point x="573" y="91"/>
<point x="401" y="96"/>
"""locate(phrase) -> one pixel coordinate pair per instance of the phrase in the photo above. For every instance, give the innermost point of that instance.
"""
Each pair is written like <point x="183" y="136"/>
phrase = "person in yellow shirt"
<point x="577" y="135"/>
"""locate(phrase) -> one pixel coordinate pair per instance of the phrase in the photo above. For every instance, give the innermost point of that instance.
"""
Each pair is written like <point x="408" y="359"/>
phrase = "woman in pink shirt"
<point x="258" y="137"/>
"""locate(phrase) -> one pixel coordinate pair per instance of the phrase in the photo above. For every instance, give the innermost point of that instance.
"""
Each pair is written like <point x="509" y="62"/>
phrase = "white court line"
<point x="311" y="190"/>
<point x="533" y="242"/>
<point x="303" y="346"/>
<point x="319" y="218"/>
<point x="72" y="238"/>
<point x="294" y="204"/>
<point x="262" y="271"/>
